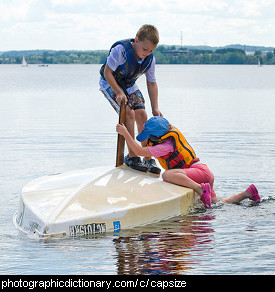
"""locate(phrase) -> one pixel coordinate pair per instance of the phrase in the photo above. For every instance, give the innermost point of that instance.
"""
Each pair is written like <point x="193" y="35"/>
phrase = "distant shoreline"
<point x="228" y="55"/>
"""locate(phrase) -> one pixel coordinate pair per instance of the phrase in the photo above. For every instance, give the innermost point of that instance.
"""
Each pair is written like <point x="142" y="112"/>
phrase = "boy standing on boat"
<point x="179" y="160"/>
<point x="127" y="61"/>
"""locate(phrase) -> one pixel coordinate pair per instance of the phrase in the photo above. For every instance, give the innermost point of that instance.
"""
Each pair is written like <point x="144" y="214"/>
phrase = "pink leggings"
<point x="200" y="173"/>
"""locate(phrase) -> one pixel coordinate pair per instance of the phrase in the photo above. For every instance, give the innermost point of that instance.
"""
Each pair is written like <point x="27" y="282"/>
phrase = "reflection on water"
<point x="165" y="250"/>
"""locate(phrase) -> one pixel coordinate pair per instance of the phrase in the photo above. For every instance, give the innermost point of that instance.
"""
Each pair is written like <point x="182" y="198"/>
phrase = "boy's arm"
<point x="133" y="145"/>
<point x="108" y="74"/>
<point x="153" y="95"/>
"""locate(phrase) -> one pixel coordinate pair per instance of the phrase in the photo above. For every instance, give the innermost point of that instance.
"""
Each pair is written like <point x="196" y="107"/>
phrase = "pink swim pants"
<point x="200" y="173"/>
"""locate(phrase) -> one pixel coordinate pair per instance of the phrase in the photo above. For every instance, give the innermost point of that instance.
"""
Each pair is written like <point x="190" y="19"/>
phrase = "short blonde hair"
<point x="148" y="32"/>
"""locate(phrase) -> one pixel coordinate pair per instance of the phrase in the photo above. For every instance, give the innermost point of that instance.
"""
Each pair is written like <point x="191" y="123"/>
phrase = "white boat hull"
<point x="97" y="200"/>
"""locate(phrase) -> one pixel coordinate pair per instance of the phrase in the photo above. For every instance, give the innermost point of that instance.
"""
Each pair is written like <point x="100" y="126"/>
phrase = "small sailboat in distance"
<point x="259" y="63"/>
<point x="24" y="63"/>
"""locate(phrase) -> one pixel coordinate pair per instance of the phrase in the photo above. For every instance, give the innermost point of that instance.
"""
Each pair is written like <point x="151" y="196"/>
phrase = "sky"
<point x="97" y="24"/>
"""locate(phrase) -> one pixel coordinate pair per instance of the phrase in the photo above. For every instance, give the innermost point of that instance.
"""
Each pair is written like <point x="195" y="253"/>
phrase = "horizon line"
<point x="183" y="46"/>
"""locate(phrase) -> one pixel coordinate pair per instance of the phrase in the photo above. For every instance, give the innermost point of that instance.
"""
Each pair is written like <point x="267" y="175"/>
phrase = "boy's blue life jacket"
<point x="127" y="73"/>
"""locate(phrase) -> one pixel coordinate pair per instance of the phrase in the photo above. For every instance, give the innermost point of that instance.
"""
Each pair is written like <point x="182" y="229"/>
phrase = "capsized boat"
<point x="98" y="200"/>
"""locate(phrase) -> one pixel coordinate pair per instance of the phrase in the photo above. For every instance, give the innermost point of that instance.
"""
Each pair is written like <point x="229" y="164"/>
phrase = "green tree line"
<point x="168" y="55"/>
<point x="56" y="57"/>
<point x="163" y="54"/>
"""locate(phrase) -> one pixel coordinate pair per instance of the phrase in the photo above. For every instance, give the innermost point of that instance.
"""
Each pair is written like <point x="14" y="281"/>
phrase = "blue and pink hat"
<point x="155" y="126"/>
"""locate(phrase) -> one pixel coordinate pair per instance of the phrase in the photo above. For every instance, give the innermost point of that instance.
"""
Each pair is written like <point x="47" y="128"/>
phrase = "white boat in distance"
<point x="24" y="63"/>
<point x="98" y="200"/>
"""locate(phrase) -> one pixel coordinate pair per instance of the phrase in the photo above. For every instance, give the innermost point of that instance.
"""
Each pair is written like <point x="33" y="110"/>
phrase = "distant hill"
<point x="27" y="53"/>
<point x="231" y="54"/>
<point x="250" y="48"/>
<point x="246" y="48"/>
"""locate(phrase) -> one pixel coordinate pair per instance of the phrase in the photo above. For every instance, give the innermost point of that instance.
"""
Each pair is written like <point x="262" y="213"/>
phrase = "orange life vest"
<point x="183" y="155"/>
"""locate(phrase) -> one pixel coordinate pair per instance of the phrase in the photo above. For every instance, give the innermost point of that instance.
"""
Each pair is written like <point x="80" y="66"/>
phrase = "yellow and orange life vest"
<point x="183" y="155"/>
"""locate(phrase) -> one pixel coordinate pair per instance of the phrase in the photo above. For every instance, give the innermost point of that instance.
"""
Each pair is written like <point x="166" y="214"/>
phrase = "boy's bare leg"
<point x="141" y="119"/>
<point x="130" y="125"/>
<point x="132" y="160"/>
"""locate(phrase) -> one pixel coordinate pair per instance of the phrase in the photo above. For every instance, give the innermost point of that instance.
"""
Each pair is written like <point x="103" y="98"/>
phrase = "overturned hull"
<point x="98" y="200"/>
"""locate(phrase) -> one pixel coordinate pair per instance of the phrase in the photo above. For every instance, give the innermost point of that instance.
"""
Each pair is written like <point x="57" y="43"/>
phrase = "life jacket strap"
<point x="174" y="159"/>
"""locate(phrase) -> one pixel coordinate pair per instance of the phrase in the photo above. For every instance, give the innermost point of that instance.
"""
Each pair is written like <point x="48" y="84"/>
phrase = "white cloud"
<point x="11" y="11"/>
<point x="93" y="24"/>
<point x="67" y="2"/>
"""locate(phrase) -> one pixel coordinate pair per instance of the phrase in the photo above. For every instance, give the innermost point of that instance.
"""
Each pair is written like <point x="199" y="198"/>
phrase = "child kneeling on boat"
<point x="177" y="157"/>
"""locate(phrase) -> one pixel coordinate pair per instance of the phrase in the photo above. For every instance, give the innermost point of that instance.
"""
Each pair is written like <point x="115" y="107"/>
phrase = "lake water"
<point x="54" y="119"/>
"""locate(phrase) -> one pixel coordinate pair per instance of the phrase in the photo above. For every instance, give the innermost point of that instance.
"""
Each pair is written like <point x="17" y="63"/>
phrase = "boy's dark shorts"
<point x="135" y="99"/>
